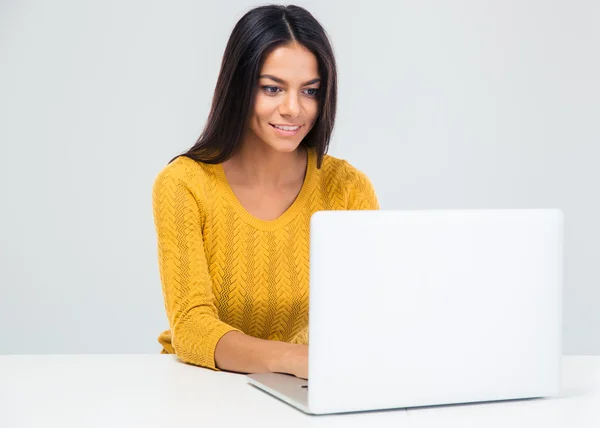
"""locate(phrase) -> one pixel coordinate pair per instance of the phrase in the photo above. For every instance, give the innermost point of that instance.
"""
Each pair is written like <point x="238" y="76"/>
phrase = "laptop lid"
<point x="413" y="308"/>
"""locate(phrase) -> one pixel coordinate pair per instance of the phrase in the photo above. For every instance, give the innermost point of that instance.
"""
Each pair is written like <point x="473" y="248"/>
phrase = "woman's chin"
<point x="284" y="146"/>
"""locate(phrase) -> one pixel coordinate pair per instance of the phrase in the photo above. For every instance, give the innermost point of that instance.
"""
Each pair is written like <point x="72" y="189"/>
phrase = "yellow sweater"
<point x="223" y="269"/>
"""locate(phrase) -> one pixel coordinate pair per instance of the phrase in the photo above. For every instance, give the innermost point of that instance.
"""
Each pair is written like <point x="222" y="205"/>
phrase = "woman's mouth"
<point x="286" y="131"/>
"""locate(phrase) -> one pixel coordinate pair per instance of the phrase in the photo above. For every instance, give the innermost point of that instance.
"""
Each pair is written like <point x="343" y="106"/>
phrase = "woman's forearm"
<point x="241" y="353"/>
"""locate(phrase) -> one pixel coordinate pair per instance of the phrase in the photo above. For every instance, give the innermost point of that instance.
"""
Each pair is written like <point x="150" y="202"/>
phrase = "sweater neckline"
<point x="270" y="225"/>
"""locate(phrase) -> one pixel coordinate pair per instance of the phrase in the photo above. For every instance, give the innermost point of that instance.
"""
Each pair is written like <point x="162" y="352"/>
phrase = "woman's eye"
<point x="273" y="90"/>
<point x="270" y="89"/>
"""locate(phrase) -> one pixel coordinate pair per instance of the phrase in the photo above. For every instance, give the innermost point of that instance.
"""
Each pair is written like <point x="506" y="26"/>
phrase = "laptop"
<point x="431" y="307"/>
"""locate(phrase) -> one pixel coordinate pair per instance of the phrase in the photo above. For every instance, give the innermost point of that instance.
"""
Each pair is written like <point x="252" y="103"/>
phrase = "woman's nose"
<point x="290" y="105"/>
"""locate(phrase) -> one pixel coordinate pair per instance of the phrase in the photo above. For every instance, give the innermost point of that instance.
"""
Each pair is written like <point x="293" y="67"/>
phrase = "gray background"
<point x="444" y="104"/>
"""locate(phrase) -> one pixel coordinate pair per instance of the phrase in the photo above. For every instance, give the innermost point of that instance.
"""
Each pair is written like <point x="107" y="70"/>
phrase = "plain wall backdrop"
<point x="444" y="104"/>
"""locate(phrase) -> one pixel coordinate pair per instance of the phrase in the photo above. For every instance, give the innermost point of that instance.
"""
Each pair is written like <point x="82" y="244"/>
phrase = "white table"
<point x="159" y="391"/>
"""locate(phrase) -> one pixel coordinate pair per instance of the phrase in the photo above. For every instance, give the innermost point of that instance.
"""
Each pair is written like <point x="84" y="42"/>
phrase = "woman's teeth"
<point x="287" y="128"/>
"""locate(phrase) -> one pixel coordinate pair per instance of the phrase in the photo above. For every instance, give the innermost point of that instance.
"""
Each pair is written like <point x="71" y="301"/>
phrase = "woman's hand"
<point x="240" y="353"/>
<point x="293" y="360"/>
<point x="299" y="362"/>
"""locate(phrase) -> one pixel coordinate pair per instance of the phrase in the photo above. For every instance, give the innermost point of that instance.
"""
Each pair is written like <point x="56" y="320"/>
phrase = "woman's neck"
<point x="257" y="164"/>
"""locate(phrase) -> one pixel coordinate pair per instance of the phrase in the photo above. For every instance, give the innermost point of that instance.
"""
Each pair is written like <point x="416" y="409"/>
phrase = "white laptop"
<point x="419" y="308"/>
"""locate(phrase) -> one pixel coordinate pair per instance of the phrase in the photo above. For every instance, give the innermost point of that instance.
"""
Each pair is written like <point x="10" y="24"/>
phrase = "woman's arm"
<point x="187" y="286"/>
<point x="198" y="335"/>
<point x="245" y="354"/>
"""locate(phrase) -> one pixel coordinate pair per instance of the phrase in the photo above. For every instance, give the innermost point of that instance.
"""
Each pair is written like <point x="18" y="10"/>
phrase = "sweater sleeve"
<point x="186" y="282"/>
<point x="361" y="193"/>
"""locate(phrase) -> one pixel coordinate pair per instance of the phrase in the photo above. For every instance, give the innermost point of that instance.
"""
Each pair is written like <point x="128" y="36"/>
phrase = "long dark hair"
<point x="256" y="34"/>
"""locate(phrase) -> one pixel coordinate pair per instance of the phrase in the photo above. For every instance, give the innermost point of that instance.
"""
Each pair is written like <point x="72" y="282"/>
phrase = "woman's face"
<point x="286" y="96"/>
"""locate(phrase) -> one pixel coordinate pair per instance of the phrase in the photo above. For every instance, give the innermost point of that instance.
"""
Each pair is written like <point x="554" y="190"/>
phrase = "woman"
<point x="232" y="214"/>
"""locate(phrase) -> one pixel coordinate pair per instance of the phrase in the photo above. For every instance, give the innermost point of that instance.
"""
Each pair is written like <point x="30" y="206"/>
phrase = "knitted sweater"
<point x="223" y="269"/>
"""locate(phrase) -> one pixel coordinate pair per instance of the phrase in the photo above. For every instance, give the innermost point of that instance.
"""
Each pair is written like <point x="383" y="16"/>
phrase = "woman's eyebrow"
<point x="283" y="82"/>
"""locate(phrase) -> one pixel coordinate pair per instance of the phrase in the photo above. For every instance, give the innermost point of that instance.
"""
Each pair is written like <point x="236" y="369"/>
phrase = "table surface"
<point x="160" y="391"/>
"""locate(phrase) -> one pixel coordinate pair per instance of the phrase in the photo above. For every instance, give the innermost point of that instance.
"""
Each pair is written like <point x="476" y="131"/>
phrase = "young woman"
<point x="232" y="214"/>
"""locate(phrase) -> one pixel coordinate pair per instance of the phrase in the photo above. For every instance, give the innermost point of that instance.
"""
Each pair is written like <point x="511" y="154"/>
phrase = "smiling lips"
<point x="287" y="127"/>
<point x="286" y="130"/>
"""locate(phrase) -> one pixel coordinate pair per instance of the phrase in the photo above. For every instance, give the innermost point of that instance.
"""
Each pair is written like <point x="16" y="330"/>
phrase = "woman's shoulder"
<point x="184" y="170"/>
<point x="340" y="169"/>
<point x="186" y="176"/>
<point x="353" y="182"/>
